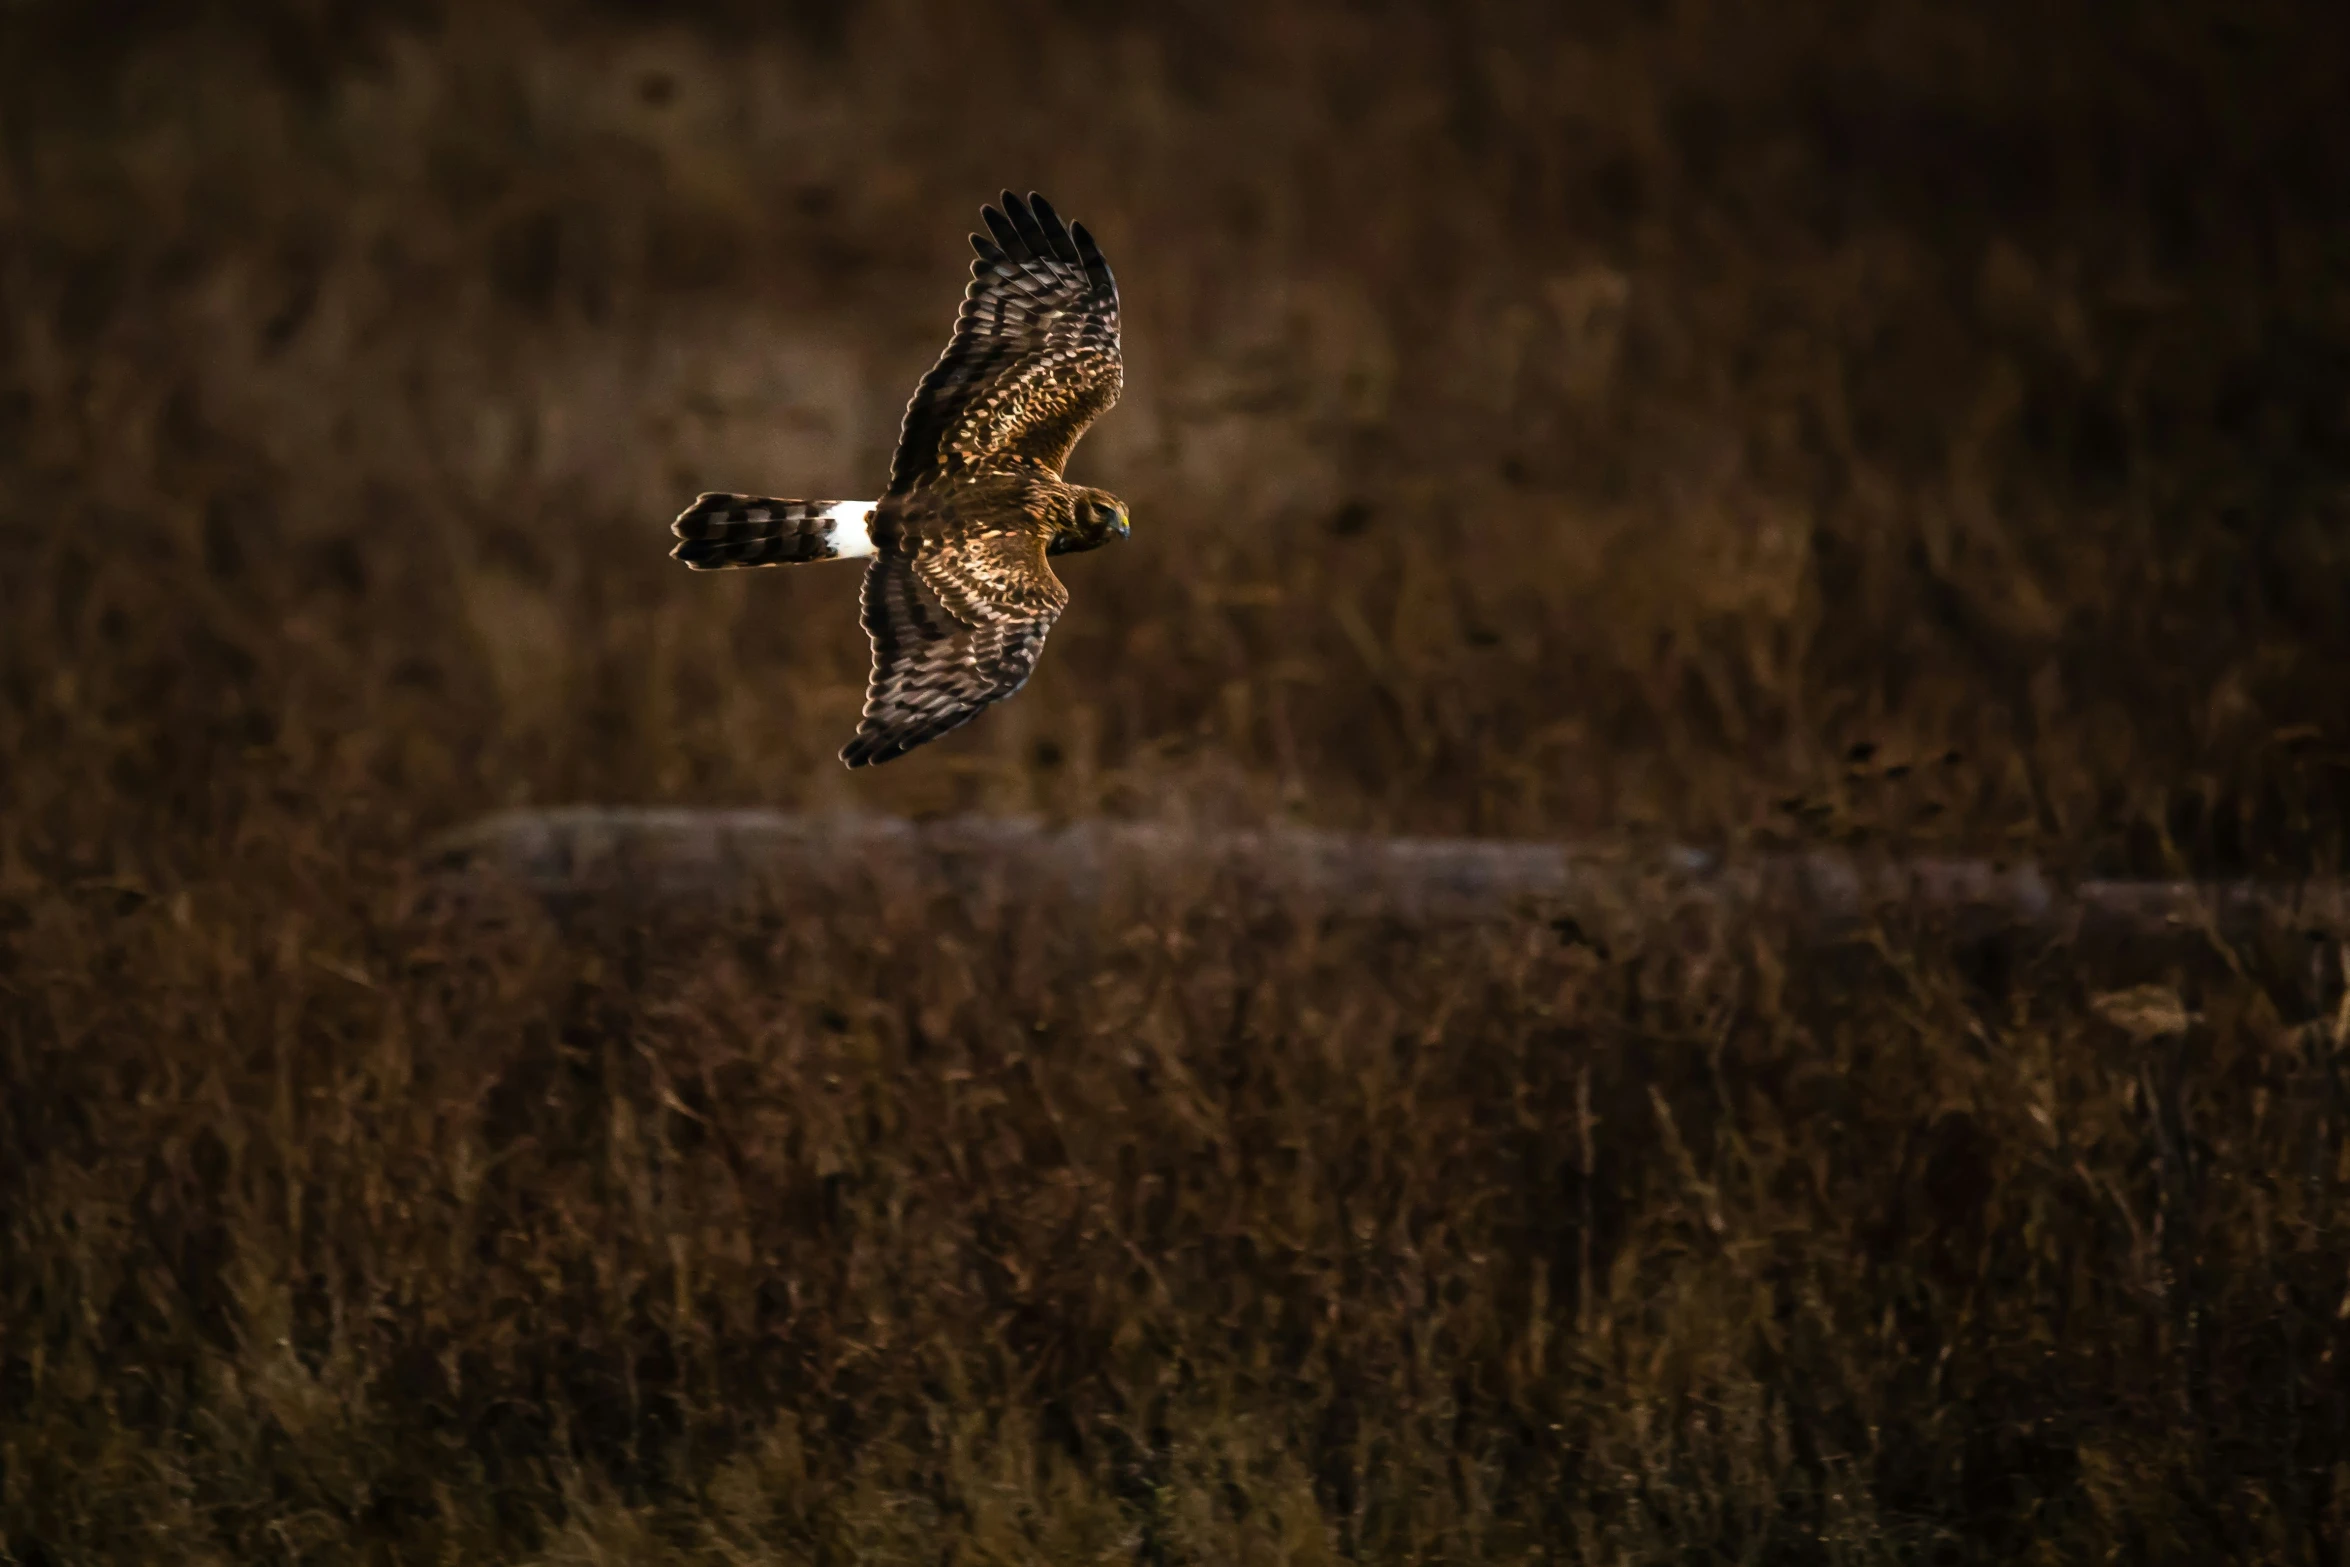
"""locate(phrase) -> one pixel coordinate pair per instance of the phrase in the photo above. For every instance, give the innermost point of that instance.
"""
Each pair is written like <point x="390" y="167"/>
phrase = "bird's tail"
<point x="721" y="531"/>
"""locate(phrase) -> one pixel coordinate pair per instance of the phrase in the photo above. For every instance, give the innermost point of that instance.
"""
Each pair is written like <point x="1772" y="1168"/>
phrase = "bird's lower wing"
<point x="955" y="626"/>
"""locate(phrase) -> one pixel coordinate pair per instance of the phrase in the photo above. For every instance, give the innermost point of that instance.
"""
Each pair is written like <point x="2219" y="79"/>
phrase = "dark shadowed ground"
<point x="1919" y="424"/>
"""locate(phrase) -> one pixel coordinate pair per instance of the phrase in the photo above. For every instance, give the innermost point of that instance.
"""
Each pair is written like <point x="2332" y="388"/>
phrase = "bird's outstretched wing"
<point x="957" y="621"/>
<point x="1034" y="358"/>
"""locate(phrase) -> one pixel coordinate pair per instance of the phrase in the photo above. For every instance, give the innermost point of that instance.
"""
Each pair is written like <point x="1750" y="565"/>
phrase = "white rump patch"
<point x="852" y="532"/>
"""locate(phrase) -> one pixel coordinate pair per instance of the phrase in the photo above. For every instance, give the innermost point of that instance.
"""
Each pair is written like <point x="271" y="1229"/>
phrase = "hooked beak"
<point x="1124" y="527"/>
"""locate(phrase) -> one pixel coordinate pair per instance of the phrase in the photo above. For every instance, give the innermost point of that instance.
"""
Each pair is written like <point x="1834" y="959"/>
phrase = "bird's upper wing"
<point x="957" y="617"/>
<point x="1034" y="358"/>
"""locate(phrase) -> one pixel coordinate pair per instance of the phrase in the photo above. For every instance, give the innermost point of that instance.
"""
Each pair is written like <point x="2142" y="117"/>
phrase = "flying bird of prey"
<point x="958" y="594"/>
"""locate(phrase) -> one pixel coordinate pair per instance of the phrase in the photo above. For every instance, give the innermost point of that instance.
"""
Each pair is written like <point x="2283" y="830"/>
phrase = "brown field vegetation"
<point x="1619" y="418"/>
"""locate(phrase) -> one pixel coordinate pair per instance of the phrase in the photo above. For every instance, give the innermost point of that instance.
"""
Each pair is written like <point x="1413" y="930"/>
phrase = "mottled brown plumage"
<point x="959" y="595"/>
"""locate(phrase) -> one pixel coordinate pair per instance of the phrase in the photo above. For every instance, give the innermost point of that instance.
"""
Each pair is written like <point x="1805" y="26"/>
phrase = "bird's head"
<point x="1095" y="518"/>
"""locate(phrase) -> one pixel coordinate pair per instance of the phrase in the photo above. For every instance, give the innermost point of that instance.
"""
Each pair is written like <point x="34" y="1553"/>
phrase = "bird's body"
<point x="958" y="596"/>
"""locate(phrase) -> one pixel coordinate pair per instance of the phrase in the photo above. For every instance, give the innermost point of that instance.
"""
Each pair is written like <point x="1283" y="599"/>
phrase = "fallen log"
<point x="646" y="859"/>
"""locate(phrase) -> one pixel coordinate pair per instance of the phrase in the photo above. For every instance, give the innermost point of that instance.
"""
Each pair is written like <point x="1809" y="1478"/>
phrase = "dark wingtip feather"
<point x="1089" y="254"/>
<point x="990" y="252"/>
<point x="1006" y="233"/>
<point x="1009" y="222"/>
<point x="1032" y="233"/>
<point x="1056" y="233"/>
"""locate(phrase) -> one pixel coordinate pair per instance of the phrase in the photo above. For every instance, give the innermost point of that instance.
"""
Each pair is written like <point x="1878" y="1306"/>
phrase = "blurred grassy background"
<point x="1540" y="419"/>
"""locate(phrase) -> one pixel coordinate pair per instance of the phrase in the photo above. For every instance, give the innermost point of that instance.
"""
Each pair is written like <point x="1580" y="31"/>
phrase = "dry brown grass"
<point x="1540" y="420"/>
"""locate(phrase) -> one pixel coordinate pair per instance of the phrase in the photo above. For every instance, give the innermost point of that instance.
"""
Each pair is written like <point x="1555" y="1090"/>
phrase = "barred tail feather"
<point x="721" y="531"/>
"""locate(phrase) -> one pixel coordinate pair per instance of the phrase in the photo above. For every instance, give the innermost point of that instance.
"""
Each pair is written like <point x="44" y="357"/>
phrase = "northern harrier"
<point x="958" y="597"/>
